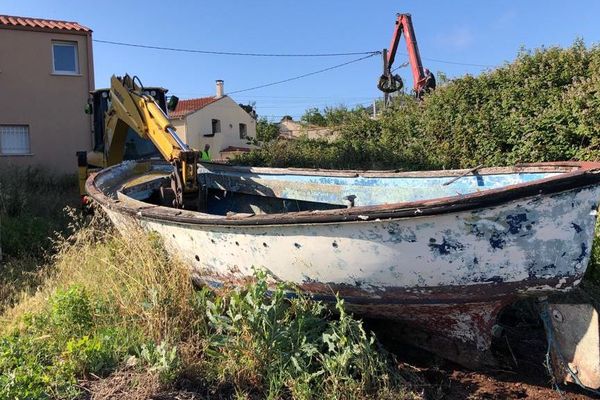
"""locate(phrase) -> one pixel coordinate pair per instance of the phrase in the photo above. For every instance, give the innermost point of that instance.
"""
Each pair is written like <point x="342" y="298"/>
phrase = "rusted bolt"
<point x="558" y="317"/>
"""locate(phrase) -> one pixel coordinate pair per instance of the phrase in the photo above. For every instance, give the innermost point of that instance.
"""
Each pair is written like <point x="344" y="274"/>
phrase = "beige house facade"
<point x="289" y="129"/>
<point x="46" y="73"/>
<point x="217" y="121"/>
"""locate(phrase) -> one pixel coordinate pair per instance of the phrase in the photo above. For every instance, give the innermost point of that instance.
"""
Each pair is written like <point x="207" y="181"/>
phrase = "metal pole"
<point x="386" y="73"/>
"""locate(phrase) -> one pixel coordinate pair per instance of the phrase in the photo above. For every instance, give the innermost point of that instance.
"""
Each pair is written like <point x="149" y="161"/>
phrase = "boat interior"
<point x="228" y="189"/>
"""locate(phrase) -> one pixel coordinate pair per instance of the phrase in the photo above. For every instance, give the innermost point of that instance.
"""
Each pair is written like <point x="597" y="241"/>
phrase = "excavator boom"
<point x="131" y="108"/>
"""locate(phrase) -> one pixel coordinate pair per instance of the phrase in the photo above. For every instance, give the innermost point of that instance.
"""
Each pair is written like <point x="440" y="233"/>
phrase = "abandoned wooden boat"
<point x="444" y="251"/>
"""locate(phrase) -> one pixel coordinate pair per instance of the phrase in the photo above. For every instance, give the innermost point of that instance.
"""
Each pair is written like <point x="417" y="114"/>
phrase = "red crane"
<point x="423" y="80"/>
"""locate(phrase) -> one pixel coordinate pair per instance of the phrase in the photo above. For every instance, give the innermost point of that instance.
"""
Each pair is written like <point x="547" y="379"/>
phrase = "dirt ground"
<point x="444" y="381"/>
<point x="450" y="381"/>
<point x="459" y="384"/>
<point x="527" y="379"/>
<point x="522" y="347"/>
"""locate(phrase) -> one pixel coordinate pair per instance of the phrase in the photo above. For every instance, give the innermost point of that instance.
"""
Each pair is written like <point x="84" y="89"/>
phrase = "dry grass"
<point x="32" y="203"/>
<point x="124" y="297"/>
<point x="131" y="272"/>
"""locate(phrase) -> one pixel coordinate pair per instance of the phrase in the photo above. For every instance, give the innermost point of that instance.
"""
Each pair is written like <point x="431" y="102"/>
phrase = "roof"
<point x="231" y="149"/>
<point x="9" y="21"/>
<point x="185" y="107"/>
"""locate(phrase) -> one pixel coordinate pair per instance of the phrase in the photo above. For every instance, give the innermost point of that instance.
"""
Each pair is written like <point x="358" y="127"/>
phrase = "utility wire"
<point x="445" y="62"/>
<point x="458" y="63"/>
<point x="235" y="53"/>
<point x="305" y="75"/>
<point x="404" y="64"/>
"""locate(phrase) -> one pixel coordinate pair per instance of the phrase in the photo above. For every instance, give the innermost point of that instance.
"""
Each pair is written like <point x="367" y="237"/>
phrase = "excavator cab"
<point x="136" y="147"/>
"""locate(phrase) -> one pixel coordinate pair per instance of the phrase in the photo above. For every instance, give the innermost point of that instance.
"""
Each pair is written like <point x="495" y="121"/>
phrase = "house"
<point x="217" y="121"/>
<point x="46" y="73"/>
<point x="290" y="129"/>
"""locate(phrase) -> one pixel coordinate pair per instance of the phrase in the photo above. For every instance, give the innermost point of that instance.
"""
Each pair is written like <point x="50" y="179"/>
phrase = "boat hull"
<point x="446" y="274"/>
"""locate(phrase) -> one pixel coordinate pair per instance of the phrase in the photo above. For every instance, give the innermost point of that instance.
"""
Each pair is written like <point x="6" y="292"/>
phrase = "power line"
<point x="405" y="64"/>
<point x="458" y="63"/>
<point x="274" y="97"/>
<point x="317" y="105"/>
<point x="304" y="75"/>
<point x="235" y="53"/>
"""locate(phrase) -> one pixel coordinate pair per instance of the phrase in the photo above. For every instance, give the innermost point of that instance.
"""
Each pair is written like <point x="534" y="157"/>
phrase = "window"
<point x="65" y="59"/>
<point x="14" y="140"/>
<point x="243" y="131"/>
<point x="216" y="126"/>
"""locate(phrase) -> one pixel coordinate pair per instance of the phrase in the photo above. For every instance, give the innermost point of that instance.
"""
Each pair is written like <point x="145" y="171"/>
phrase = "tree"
<point x="313" y="116"/>
<point x="266" y="131"/>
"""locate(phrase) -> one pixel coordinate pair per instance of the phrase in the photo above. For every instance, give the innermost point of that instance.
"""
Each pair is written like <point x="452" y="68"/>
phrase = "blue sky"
<point x="465" y="31"/>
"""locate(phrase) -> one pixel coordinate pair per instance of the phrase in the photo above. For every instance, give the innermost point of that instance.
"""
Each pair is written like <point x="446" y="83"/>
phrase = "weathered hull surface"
<point x="445" y="266"/>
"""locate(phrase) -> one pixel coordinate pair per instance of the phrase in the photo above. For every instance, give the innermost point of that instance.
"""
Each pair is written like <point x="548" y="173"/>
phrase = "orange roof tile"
<point x="185" y="107"/>
<point x="9" y="21"/>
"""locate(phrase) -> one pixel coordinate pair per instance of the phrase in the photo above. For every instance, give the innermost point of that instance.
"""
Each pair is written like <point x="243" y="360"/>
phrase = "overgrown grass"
<point x="32" y="203"/>
<point x="114" y="303"/>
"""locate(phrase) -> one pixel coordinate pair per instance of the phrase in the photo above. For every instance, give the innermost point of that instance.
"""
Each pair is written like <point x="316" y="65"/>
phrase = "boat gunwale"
<point x="584" y="174"/>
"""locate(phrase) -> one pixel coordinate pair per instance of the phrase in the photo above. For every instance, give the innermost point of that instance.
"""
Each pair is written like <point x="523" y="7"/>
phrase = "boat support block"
<point x="573" y="334"/>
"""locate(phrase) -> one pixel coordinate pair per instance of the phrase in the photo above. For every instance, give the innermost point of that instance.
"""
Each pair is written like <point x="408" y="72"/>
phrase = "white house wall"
<point x="199" y="124"/>
<point x="179" y="125"/>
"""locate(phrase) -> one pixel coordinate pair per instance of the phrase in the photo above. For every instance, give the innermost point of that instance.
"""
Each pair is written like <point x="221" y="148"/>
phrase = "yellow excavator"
<point x="125" y="111"/>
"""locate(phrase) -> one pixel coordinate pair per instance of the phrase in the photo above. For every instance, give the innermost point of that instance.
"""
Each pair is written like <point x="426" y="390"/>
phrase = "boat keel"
<point x="461" y="333"/>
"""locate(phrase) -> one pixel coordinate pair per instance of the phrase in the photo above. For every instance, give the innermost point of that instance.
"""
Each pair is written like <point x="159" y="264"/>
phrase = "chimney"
<point x="219" y="89"/>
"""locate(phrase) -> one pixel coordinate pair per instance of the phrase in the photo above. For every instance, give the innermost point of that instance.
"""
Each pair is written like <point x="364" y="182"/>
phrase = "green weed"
<point x="162" y="359"/>
<point x="114" y="302"/>
<point x="51" y="348"/>
<point x="32" y="203"/>
<point x="282" y="344"/>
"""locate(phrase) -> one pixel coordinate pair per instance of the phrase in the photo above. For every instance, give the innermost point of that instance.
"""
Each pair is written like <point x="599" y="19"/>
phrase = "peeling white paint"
<point x="454" y="249"/>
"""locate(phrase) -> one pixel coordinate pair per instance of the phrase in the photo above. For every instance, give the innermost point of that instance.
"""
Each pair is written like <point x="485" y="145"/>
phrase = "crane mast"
<point x="389" y="83"/>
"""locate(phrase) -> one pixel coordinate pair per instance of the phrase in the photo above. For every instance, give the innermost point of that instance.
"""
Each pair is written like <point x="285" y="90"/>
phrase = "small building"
<point x="290" y="129"/>
<point x="46" y="73"/>
<point x="217" y="121"/>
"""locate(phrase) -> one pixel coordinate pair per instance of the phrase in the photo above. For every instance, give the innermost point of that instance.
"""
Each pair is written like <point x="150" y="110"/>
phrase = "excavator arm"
<point x="131" y="108"/>
<point x="388" y="82"/>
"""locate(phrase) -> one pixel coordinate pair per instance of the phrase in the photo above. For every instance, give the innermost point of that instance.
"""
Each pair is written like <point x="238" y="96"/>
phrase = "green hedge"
<point x="544" y="106"/>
